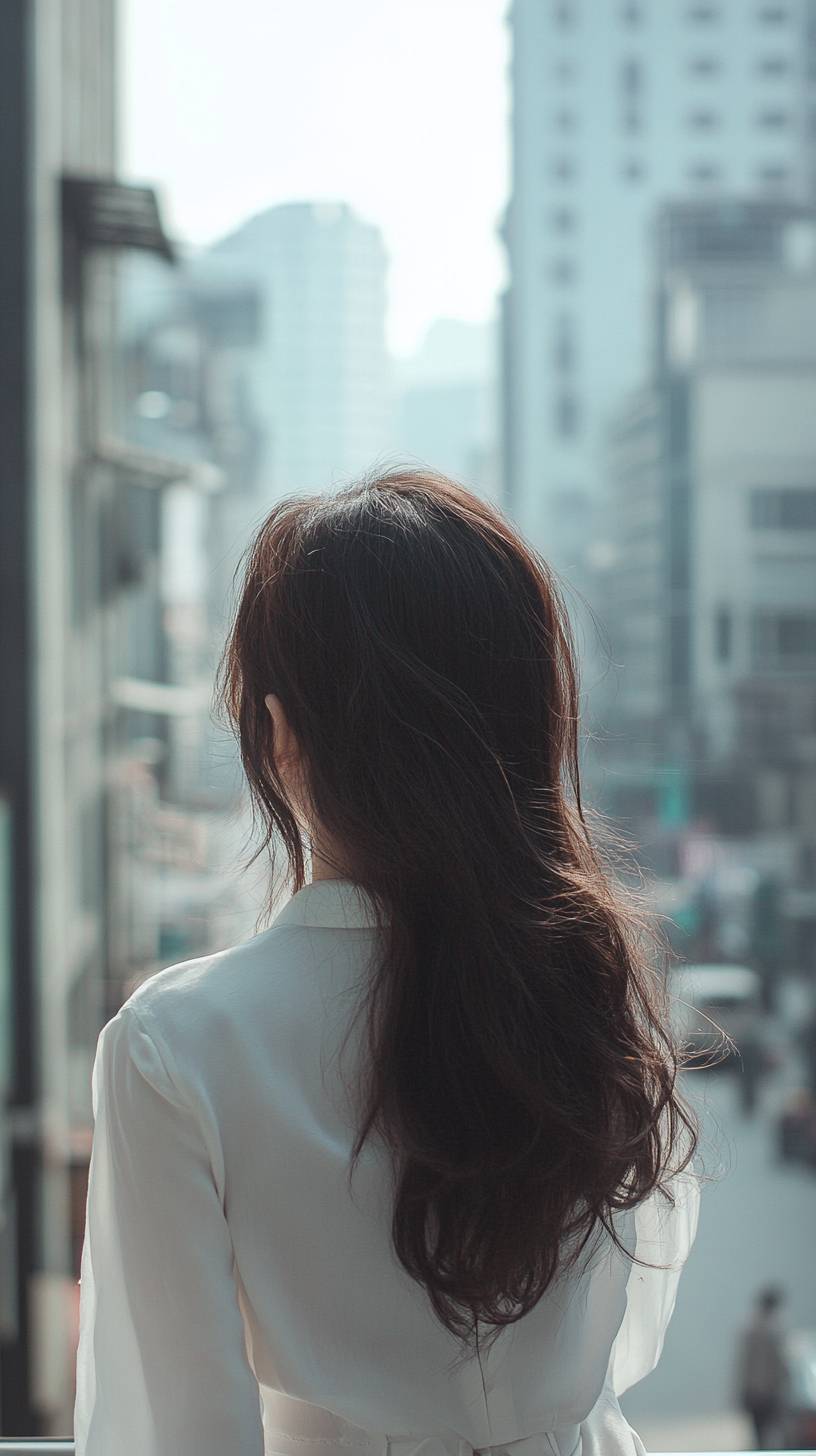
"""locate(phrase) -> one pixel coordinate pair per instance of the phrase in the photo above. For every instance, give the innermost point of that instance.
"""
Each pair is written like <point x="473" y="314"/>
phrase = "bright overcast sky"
<point x="399" y="107"/>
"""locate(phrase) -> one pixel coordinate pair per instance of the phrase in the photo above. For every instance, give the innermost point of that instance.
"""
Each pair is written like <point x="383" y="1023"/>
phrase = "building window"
<point x="773" y="14"/>
<point x="564" y="220"/>
<point x="565" y="120"/>
<point x="704" y="120"/>
<point x="774" y="66"/>
<point x="566" y="70"/>
<point x="632" y="14"/>
<point x="791" y="508"/>
<point x="633" y="171"/>
<point x="703" y="14"/>
<point x="564" y="169"/>
<point x="632" y="122"/>
<point x="705" y="65"/>
<point x="564" y="350"/>
<point x="565" y="15"/>
<point x="722" y="633"/>
<point x="566" y="415"/>
<point x="704" y="172"/>
<point x="773" y="175"/>
<point x="783" y="639"/>
<point x="773" y="120"/>
<point x="632" y="76"/>
<point x="563" y="271"/>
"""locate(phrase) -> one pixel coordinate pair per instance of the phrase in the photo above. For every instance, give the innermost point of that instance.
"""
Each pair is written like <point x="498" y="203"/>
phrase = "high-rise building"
<point x="319" y="373"/>
<point x="78" y="534"/>
<point x="446" y="399"/>
<point x="713" y="463"/>
<point x="618" y="104"/>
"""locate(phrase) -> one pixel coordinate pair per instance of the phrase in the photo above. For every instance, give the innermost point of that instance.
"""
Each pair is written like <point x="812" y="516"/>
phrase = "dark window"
<point x="705" y="65"/>
<point x="631" y="75"/>
<point x="632" y="14"/>
<point x="633" y="171"/>
<point x="564" y="220"/>
<point x="565" y="120"/>
<point x="704" y="120"/>
<point x="563" y="270"/>
<point x="773" y="120"/>
<point x="722" y="633"/>
<point x="704" y="172"/>
<point x="774" y="66"/>
<point x="791" y="508"/>
<point x="703" y="14"/>
<point x="565" y="70"/>
<point x="564" y="351"/>
<point x="566" y="415"/>
<point x="565" y="15"/>
<point x="91" y="845"/>
<point x="679" y="656"/>
<point x="783" y="637"/>
<point x="632" y="121"/>
<point x="564" y="169"/>
<point x="773" y="173"/>
<point x="773" y="14"/>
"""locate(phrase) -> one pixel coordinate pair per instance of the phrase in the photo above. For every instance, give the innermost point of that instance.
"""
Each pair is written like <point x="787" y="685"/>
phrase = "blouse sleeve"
<point x="162" y="1363"/>
<point x="664" y="1235"/>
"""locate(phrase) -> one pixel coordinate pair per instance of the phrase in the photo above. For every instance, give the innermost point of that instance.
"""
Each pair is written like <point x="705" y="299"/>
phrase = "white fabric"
<point x="233" y="1289"/>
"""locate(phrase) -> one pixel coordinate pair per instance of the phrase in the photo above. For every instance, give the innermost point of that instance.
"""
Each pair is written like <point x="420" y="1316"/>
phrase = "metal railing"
<point x="66" y="1448"/>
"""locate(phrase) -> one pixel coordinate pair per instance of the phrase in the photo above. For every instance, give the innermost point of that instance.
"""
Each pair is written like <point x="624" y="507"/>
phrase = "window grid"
<point x="789" y="508"/>
<point x="783" y="638"/>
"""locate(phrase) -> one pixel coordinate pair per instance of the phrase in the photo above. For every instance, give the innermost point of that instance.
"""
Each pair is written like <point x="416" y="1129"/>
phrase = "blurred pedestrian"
<point x="762" y="1367"/>
<point x="807" y="1041"/>
<point x="749" y="1069"/>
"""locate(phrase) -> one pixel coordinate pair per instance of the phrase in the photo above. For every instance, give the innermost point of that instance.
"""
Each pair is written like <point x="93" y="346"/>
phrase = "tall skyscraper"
<point x="618" y="105"/>
<point x="712" y="464"/>
<point x="319" y="374"/>
<point x="446" y="397"/>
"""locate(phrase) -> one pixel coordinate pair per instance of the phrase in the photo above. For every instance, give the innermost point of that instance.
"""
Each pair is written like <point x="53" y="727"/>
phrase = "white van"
<point x="716" y="1009"/>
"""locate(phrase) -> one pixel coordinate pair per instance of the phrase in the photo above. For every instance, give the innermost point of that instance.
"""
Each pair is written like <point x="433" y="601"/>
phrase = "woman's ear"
<point x="285" y="747"/>
<point x="286" y="753"/>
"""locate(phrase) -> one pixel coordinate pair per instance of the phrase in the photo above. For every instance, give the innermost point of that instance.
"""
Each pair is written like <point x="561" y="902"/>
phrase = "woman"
<point x="408" y="1170"/>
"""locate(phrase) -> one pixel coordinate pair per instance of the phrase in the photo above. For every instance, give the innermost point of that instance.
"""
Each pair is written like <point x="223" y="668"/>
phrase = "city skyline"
<point x="400" y="166"/>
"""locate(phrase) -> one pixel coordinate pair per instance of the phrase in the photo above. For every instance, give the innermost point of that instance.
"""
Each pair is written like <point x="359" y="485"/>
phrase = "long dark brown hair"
<point x="520" y="1066"/>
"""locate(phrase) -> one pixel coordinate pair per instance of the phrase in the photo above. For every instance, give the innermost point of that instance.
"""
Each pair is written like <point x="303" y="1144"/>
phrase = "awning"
<point x="107" y="214"/>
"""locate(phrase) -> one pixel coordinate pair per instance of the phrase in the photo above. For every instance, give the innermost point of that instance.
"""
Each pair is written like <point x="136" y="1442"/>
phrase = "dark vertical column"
<point x="20" y="1098"/>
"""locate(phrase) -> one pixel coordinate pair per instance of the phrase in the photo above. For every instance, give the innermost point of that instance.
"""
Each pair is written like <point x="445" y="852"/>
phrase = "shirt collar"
<point x="341" y="904"/>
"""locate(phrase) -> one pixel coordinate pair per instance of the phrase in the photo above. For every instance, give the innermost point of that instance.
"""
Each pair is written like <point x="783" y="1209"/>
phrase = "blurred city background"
<point x="563" y="251"/>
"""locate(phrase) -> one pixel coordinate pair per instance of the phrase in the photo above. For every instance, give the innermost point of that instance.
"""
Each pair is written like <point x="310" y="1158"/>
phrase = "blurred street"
<point x="756" y="1226"/>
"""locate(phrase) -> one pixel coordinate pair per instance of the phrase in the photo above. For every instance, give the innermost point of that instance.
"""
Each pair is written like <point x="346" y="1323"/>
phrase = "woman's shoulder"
<point x="192" y="1000"/>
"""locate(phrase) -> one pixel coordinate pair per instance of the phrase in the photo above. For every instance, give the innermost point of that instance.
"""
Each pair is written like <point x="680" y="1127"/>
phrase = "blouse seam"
<point x="182" y="1099"/>
<point x="164" y="1057"/>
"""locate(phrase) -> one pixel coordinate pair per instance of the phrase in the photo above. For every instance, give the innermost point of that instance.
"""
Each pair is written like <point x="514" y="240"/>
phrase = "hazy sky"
<point x="399" y="107"/>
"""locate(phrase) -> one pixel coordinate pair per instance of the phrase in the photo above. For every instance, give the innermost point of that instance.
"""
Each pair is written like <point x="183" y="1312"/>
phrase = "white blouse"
<point x="237" y="1299"/>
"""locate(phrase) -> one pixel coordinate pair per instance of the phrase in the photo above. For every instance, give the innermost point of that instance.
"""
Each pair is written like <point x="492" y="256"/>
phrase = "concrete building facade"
<point x="78" y="532"/>
<point x="319" y="374"/>
<point x="617" y="105"/>
<point x="713" y="466"/>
